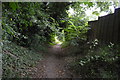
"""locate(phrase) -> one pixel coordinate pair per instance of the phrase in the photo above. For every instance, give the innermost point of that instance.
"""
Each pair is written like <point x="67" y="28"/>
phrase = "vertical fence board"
<point x="118" y="25"/>
<point x="98" y="31"/>
<point x="104" y="28"/>
<point x="111" y="27"/>
<point x="101" y="30"/>
<point x="92" y="30"/>
<point x="107" y="28"/>
<point x="89" y="31"/>
<point x="95" y="24"/>
<point x="115" y="30"/>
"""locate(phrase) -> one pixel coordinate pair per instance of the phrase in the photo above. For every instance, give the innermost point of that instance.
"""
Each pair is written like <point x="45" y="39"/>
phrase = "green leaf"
<point x="95" y="12"/>
<point x="13" y="5"/>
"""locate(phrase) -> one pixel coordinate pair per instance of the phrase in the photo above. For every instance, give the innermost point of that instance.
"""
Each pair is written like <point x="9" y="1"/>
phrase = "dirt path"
<point x="52" y="66"/>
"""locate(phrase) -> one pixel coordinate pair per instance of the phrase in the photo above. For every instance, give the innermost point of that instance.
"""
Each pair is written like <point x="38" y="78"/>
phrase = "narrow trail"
<point x="52" y="66"/>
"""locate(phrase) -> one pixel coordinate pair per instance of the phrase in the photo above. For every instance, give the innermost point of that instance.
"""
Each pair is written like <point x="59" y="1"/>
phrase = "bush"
<point x="99" y="62"/>
<point x="17" y="60"/>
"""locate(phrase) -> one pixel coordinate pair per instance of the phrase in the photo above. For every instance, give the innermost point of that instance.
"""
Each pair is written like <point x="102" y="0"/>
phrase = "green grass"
<point x="17" y="60"/>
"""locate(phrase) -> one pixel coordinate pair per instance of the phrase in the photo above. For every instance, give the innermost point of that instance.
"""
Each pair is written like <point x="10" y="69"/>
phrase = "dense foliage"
<point x="98" y="61"/>
<point x="27" y="23"/>
<point x="18" y="60"/>
<point x="33" y="24"/>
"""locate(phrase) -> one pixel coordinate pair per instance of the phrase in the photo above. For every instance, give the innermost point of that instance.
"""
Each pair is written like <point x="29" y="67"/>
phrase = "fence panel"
<point x="104" y="29"/>
<point x="107" y="28"/>
<point x="118" y="19"/>
<point x="111" y="18"/>
<point x="116" y="26"/>
<point x="101" y="29"/>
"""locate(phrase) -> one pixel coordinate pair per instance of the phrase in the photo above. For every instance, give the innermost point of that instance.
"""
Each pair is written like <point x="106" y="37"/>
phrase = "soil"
<point x="53" y="65"/>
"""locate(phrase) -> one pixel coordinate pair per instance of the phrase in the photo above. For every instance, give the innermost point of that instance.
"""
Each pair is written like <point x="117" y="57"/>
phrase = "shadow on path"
<point x="52" y="66"/>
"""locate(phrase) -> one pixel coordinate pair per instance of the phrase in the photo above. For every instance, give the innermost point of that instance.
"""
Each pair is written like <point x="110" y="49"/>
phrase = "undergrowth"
<point x="17" y="60"/>
<point x="99" y="62"/>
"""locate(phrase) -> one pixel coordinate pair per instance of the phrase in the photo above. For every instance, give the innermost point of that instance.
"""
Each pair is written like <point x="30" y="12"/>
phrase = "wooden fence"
<point x="106" y="29"/>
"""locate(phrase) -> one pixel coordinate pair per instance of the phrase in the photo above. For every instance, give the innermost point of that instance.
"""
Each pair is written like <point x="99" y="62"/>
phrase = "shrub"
<point x="99" y="63"/>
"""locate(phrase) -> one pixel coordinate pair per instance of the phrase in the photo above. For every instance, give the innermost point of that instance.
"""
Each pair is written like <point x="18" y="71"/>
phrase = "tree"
<point x="24" y="23"/>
